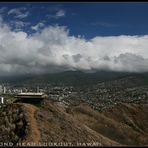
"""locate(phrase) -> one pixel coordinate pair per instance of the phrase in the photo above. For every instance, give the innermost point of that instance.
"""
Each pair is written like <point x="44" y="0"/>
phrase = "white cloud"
<point x="60" y="13"/>
<point x="19" y="12"/>
<point x="37" y="26"/>
<point x="54" y="49"/>
<point x="22" y="15"/>
<point x="19" y="24"/>
<point x="13" y="11"/>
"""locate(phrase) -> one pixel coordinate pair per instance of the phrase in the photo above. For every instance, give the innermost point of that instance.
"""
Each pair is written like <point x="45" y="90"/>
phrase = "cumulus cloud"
<point x="53" y="49"/>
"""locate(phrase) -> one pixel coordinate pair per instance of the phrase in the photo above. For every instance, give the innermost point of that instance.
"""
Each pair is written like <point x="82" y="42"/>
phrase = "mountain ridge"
<point x="70" y="77"/>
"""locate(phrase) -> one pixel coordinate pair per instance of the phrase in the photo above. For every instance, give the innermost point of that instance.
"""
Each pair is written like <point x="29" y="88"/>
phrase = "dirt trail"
<point x="34" y="134"/>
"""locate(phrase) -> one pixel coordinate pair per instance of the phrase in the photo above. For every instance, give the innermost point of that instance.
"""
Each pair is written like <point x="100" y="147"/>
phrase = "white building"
<point x="4" y="90"/>
<point x="1" y="100"/>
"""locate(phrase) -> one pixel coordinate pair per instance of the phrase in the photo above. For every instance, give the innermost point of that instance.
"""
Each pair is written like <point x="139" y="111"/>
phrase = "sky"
<point x="54" y="37"/>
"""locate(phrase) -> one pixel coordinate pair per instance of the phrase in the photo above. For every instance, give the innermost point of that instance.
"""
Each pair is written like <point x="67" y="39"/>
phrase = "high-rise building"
<point x="1" y="88"/>
<point x="4" y="90"/>
<point x="2" y="100"/>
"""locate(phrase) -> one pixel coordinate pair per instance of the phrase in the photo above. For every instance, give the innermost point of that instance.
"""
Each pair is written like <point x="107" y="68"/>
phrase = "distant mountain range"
<point x="70" y="77"/>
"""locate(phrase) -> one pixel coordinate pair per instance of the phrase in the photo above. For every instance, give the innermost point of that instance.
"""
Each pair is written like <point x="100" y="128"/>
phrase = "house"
<point x="32" y="98"/>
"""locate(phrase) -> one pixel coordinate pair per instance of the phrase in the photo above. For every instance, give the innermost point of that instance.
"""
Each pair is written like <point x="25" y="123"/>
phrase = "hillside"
<point x="125" y="124"/>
